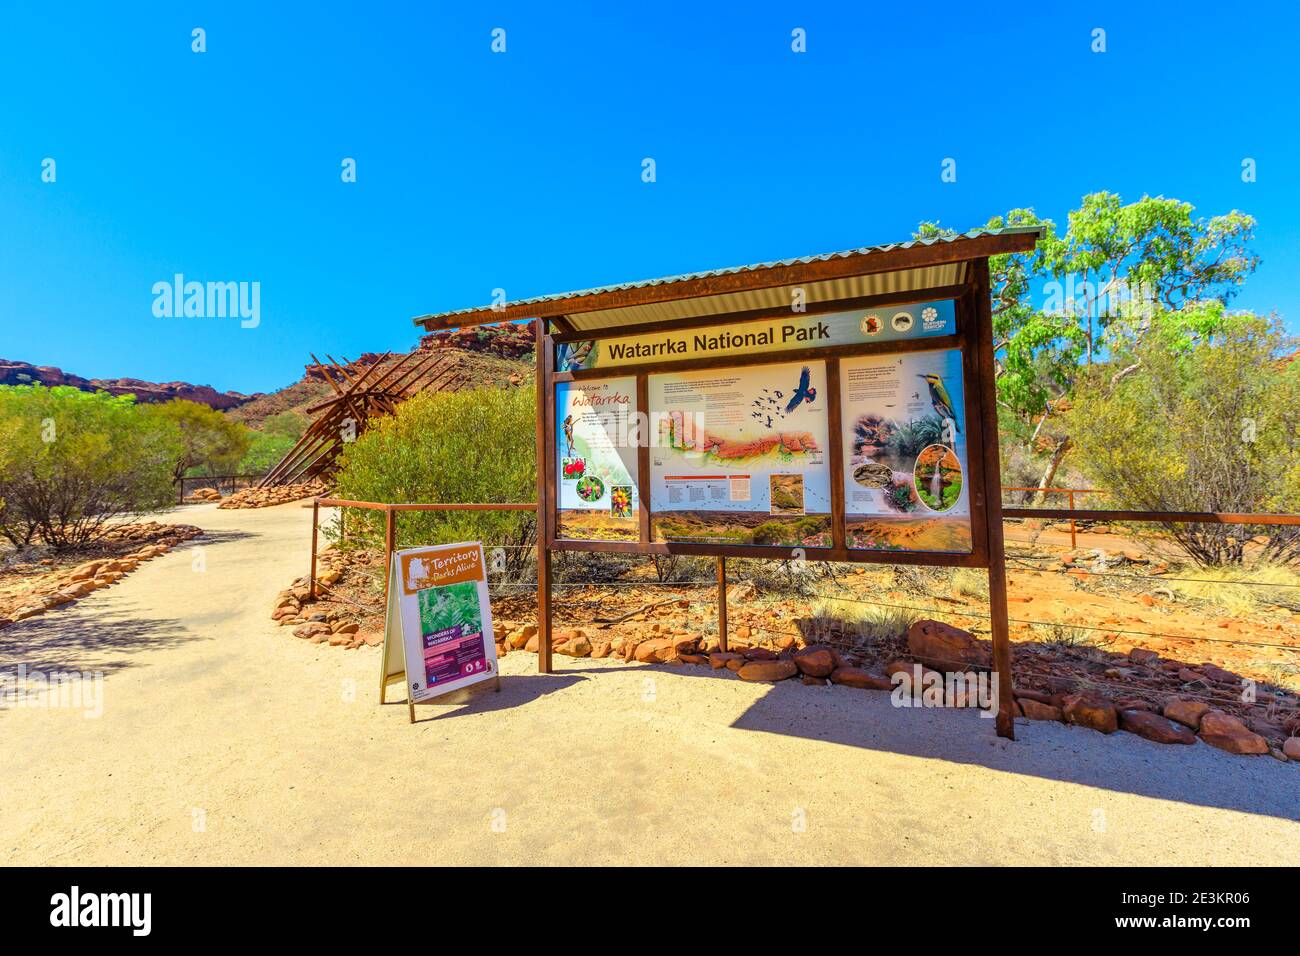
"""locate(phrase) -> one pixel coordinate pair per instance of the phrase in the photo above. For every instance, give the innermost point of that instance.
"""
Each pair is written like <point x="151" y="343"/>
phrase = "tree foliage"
<point x="211" y="443"/>
<point x="271" y="442"/>
<point x="70" y="461"/>
<point x="1211" y="424"/>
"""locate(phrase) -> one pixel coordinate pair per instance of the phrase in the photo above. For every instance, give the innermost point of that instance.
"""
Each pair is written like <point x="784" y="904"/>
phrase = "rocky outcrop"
<point x="513" y="340"/>
<point x="21" y="373"/>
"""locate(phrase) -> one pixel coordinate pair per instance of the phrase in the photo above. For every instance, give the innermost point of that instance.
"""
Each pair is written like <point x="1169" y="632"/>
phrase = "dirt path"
<point x="223" y="740"/>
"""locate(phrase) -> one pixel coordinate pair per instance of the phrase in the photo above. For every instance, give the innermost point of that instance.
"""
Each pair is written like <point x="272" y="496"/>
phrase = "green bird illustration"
<point x="939" y="398"/>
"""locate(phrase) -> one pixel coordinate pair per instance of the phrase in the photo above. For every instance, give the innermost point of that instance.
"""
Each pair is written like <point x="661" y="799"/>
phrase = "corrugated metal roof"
<point x="686" y="277"/>
<point x="771" y="297"/>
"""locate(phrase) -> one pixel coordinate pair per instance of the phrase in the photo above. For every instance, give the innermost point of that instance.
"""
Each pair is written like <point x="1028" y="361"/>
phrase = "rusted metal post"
<point x="311" y="577"/>
<point x="390" y="542"/>
<point x="722" y="603"/>
<point x="544" y="397"/>
<point x="999" y="625"/>
<point x="1073" y="544"/>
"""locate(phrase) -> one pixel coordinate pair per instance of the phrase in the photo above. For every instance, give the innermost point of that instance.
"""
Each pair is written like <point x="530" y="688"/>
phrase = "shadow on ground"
<point x="516" y="690"/>
<point x="68" y="641"/>
<point x="1197" y="774"/>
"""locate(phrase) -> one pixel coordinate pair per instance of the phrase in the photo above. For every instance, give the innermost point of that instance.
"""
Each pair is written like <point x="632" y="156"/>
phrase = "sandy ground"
<point x="224" y="740"/>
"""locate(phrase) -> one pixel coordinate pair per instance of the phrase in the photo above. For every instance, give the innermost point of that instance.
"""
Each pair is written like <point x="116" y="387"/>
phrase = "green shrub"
<point x="70" y="461"/>
<point x="477" y="445"/>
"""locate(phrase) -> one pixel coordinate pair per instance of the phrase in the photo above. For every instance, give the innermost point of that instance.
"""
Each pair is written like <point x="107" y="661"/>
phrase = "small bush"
<point x="472" y="446"/>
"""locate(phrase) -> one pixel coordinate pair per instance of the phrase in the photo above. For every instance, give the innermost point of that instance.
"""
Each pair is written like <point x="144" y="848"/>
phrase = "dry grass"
<point x="1241" y="592"/>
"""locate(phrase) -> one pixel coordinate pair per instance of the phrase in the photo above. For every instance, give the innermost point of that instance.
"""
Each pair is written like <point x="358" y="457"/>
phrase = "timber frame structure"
<point x="377" y="390"/>
<point x="954" y="268"/>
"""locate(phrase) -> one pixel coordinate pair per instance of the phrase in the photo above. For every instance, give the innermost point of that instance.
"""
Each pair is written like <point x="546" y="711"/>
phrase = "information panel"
<point x="596" y="439"/>
<point x="438" y="630"/>
<point x="793" y="331"/>
<point x="905" y="447"/>
<point x="738" y="456"/>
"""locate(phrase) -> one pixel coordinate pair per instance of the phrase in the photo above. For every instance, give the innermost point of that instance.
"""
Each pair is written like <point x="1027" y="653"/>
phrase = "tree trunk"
<point x="1053" y="463"/>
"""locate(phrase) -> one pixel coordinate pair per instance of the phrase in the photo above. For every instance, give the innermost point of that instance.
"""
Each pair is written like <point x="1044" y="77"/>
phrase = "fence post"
<point x="311" y="578"/>
<point x="1073" y="544"/>
<point x="390" y="539"/>
<point x="722" y="603"/>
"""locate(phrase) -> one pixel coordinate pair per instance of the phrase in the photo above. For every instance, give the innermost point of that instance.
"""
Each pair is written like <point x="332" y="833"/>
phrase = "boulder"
<point x="767" y="671"/>
<point x="577" y="646"/>
<point x="1291" y="747"/>
<point x="1036" y="710"/>
<point x="601" y="649"/>
<point x="1186" y="712"/>
<point x="655" y="651"/>
<point x="1140" y="655"/>
<point x="945" y="647"/>
<point x="1154" y="727"/>
<point x="759" y="654"/>
<point x="720" y="659"/>
<point x="815" y="661"/>
<point x="1091" y="710"/>
<point x="693" y="658"/>
<point x="311" y="629"/>
<point x="521" y="637"/>
<point x="857" y="677"/>
<point x="1231" y="734"/>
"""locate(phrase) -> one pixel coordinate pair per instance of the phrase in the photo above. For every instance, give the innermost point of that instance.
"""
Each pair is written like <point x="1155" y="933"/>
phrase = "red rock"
<point x="1091" y="710"/>
<point x="1033" y="695"/>
<point x="946" y="647"/>
<point x="311" y="629"/>
<point x="1154" y="727"/>
<point x="759" y="654"/>
<point x="693" y="658"/>
<point x="1219" y="674"/>
<point x="655" y="651"/>
<point x="685" y="644"/>
<point x="857" y="677"/>
<point x="767" y="671"/>
<point x="813" y="681"/>
<point x="1140" y="655"/>
<point x="815" y="661"/>
<point x="1291" y="747"/>
<point x="576" y="646"/>
<point x="1186" y="712"/>
<point x="1035" y="710"/>
<point x="519" y="638"/>
<point x="1231" y="734"/>
<point x="601" y="649"/>
<point x="720" y="659"/>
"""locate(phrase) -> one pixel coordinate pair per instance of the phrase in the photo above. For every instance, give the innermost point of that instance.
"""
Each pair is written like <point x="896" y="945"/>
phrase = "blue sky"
<point x="522" y="170"/>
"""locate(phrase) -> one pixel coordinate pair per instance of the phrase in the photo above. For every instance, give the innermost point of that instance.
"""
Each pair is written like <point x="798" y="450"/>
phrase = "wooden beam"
<point x="1001" y="634"/>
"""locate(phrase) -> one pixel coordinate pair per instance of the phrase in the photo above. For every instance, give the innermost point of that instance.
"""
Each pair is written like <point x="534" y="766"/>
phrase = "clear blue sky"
<point x="523" y="170"/>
